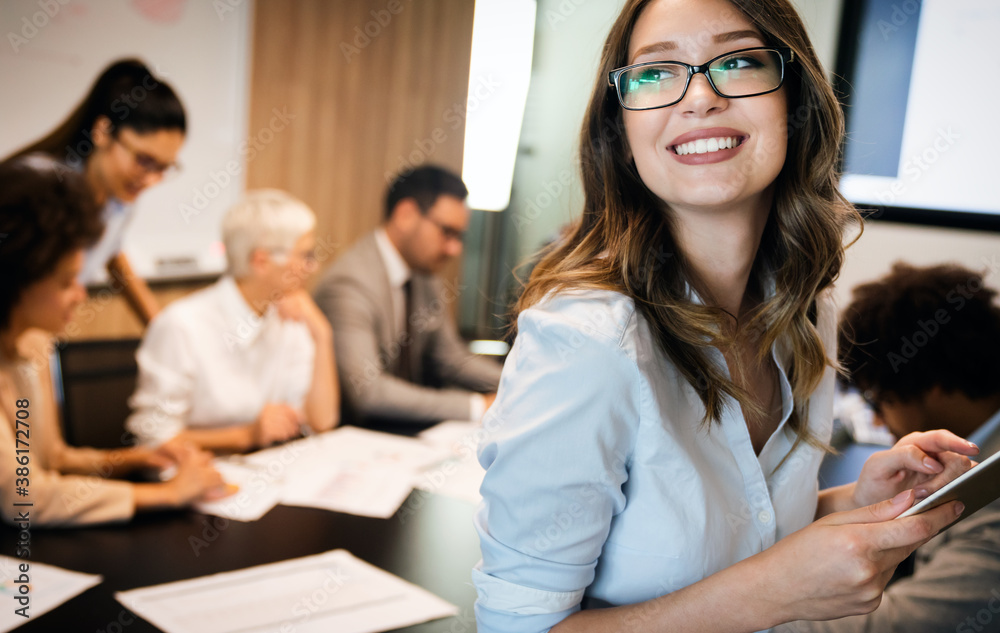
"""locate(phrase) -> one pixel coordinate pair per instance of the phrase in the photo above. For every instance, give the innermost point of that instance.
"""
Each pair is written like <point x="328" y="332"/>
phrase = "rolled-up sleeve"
<point x="556" y="452"/>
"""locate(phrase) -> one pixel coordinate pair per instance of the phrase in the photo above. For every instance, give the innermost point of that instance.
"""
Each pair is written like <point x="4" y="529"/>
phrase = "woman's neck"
<point x="255" y="294"/>
<point x="720" y="246"/>
<point x="8" y="341"/>
<point x="92" y="172"/>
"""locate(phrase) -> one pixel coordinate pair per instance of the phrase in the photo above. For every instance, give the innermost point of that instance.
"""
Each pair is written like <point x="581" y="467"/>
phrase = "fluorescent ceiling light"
<point x="503" y="38"/>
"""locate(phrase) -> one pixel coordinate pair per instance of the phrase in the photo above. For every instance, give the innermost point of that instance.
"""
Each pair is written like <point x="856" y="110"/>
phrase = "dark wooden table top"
<point x="430" y="542"/>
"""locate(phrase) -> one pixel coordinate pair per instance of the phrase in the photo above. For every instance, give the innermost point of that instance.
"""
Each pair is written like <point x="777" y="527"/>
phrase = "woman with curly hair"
<point x="47" y="219"/>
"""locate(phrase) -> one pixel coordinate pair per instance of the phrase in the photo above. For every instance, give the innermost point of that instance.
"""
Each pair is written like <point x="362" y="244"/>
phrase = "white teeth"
<point x="706" y="145"/>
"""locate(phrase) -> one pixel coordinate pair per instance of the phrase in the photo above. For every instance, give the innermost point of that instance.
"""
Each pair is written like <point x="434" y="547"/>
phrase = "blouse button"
<point x="764" y="516"/>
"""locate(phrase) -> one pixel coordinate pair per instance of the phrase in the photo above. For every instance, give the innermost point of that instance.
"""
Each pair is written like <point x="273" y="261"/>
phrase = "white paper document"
<point x="48" y="587"/>
<point x="355" y="488"/>
<point x="257" y="491"/>
<point x="350" y="470"/>
<point x="460" y="476"/>
<point x="317" y="594"/>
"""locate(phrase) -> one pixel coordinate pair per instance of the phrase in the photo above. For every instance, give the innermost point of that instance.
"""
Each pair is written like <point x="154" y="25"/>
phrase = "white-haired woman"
<point x="248" y="361"/>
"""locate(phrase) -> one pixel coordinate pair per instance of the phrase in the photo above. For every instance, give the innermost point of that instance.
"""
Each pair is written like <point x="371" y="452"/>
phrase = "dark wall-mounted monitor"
<point x="921" y="85"/>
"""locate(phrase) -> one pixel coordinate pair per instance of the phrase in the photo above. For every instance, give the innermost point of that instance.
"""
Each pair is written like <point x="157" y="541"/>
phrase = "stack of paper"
<point x="348" y="470"/>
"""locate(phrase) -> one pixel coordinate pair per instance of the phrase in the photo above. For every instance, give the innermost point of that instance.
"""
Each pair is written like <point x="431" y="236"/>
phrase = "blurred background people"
<point x="399" y="352"/>
<point x="124" y="137"/>
<point x="923" y="345"/>
<point x="249" y="360"/>
<point x="47" y="218"/>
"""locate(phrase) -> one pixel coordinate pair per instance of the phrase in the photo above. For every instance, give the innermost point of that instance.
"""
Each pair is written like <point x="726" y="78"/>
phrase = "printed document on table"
<point x="355" y="488"/>
<point x="48" y="587"/>
<point x="460" y="476"/>
<point x="334" y="591"/>
<point x="257" y="491"/>
<point x="349" y="470"/>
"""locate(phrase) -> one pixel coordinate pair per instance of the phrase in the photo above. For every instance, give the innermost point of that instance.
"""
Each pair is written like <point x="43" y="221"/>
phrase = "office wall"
<point x="342" y="96"/>
<point x="370" y="91"/>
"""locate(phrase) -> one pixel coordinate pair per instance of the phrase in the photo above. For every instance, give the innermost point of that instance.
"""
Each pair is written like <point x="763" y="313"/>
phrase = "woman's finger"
<point x="939" y="441"/>
<point x="886" y="464"/>
<point x="954" y="466"/>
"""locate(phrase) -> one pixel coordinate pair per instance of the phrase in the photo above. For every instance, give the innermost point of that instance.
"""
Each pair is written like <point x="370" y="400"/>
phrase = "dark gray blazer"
<point x="354" y="294"/>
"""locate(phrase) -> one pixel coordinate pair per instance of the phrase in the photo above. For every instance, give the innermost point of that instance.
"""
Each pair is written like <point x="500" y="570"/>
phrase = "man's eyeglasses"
<point x="450" y="233"/>
<point x="147" y="163"/>
<point x="748" y="72"/>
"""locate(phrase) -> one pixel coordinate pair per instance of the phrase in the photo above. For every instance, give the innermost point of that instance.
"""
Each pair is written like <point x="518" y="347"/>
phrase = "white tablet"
<point x="976" y="488"/>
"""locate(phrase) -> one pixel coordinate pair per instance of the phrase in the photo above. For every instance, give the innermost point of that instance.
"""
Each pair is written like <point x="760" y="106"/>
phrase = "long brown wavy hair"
<point x="624" y="240"/>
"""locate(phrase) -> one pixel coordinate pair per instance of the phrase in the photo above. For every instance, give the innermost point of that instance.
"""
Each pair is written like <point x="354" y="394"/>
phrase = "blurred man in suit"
<point x="923" y="345"/>
<point x="399" y="354"/>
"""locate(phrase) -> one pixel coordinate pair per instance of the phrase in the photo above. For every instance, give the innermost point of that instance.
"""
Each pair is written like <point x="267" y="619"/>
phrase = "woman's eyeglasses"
<point x="748" y="72"/>
<point x="147" y="163"/>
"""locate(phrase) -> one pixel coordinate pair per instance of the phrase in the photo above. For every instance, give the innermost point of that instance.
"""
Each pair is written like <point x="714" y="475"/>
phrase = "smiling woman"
<point x="124" y="137"/>
<point x="661" y="420"/>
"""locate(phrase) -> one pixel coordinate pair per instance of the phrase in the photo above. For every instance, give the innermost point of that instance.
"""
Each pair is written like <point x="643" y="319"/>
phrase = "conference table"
<point x="429" y="542"/>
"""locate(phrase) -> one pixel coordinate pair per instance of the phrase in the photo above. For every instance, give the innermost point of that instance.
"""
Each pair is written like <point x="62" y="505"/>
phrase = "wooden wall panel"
<point x="370" y="91"/>
<point x="360" y="108"/>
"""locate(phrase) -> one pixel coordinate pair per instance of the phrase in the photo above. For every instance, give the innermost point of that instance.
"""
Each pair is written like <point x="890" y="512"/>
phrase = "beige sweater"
<point x="57" y="499"/>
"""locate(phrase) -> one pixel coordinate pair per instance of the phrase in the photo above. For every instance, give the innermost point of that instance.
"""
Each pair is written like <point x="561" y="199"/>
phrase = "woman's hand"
<point x="299" y="306"/>
<point x="277" y="422"/>
<point x="142" y="458"/>
<point x="922" y="462"/>
<point x="840" y="565"/>
<point x="196" y="478"/>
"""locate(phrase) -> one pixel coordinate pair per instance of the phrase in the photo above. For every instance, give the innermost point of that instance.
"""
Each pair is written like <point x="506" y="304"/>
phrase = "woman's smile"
<point x="705" y="146"/>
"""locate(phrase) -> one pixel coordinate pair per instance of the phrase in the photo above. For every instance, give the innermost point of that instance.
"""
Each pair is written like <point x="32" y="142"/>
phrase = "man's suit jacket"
<point x="356" y="297"/>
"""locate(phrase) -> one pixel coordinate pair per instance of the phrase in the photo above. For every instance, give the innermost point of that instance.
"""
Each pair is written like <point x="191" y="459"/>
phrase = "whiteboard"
<point x="52" y="52"/>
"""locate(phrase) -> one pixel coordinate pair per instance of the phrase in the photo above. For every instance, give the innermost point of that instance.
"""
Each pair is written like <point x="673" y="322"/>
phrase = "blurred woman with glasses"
<point x="124" y="137"/>
<point x="653" y="451"/>
<point x="249" y="360"/>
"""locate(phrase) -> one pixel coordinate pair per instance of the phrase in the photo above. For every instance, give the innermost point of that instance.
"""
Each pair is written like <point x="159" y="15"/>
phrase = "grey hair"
<point x="268" y="219"/>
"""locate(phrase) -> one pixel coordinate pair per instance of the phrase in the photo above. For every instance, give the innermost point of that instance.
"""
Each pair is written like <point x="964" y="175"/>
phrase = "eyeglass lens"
<point x="740" y="74"/>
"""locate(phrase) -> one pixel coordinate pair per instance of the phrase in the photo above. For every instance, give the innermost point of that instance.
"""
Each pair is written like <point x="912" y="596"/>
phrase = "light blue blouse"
<point x="602" y="485"/>
<point x="117" y="216"/>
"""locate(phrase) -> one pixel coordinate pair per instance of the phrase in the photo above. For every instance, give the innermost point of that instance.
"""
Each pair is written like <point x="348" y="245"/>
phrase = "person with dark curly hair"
<point x="923" y="344"/>
<point x="47" y="219"/>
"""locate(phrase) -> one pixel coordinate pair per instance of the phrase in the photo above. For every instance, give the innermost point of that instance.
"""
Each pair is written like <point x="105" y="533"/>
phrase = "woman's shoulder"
<point x="192" y="309"/>
<point x="593" y="312"/>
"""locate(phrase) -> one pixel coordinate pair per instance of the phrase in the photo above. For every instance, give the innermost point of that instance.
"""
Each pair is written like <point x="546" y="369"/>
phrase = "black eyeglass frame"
<point x="786" y="55"/>
<point x="449" y="233"/>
